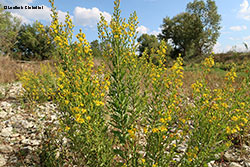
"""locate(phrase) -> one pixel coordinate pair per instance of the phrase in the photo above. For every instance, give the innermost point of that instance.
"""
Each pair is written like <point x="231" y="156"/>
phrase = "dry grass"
<point x="9" y="68"/>
<point x="214" y="80"/>
<point x="232" y="57"/>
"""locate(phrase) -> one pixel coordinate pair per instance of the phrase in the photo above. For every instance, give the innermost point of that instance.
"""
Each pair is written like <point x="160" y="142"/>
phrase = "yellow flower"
<point x="162" y="120"/>
<point x="234" y="118"/>
<point x="245" y="120"/>
<point x="183" y="120"/>
<point x="67" y="128"/>
<point x="78" y="118"/>
<point x="228" y="144"/>
<point x="233" y="131"/>
<point x="215" y="106"/>
<point x="145" y="130"/>
<point x="228" y="130"/>
<point x="237" y="127"/>
<point x="163" y="128"/>
<point x="224" y="105"/>
<point x="143" y="160"/>
<point x="88" y="118"/>
<point x="84" y="110"/>
<point x="86" y="49"/>
<point x="155" y="130"/>
<point x="155" y="165"/>
<point x="131" y="133"/>
<point x="99" y="103"/>
<point x="242" y="104"/>
<point x="124" y="165"/>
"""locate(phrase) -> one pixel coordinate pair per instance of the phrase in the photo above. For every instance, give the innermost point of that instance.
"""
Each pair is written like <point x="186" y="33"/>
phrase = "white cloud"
<point x="61" y="16"/>
<point x="247" y="38"/>
<point x="217" y="48"/>
<point x="238" y="28"/>
<point x="232" y="38"/>
<point x="32" y="15"/>
<point x="142" y="29"/>
<point x="16" y="2"/>
<point x="240" y="47"/>
<point x="89" y="17"/>
<point x="235" y="39"/>
<point x="156" y="32"/>
<point x="28" y="16"/>
<point x="22" y="18"/>
<point x="244" y="10"/>
<point x="226" y="32"/>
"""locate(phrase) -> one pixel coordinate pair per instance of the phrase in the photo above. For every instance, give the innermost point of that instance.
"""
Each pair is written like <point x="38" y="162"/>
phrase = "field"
<point x="125" y="110"/>
<point x="238" y="141"/>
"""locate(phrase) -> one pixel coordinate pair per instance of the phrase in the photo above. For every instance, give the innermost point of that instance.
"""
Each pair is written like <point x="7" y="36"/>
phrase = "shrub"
<point x="38" y="86"/>
<point x="34" y="44"/>
<point x="9" y="27"/>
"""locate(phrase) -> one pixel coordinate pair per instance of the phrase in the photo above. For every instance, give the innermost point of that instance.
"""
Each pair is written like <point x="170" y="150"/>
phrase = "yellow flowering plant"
<point x="135" y="113"/>
<point x="213" y="117"/>
<point x="38" y="86"/>
<point x="139" y="95"/>
<point x="125" y="102"/>
<point x="81" y="93"/>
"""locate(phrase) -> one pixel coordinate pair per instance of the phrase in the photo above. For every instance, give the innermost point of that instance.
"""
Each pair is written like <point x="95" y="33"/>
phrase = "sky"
<point x="85" y="14"/>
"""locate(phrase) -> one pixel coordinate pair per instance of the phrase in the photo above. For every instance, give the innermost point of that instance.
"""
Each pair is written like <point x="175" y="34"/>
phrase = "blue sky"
<point x="85" y="13"/>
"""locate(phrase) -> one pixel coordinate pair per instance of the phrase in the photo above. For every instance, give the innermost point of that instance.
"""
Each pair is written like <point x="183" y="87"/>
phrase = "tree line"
<point x="192" y="33"/>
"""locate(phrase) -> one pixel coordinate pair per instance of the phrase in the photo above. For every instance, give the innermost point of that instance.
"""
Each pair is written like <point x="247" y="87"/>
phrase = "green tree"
<point x="96" y="48"/>
<point x="195" y="31"/>
<point x="147" y="41"/>
<point x="181" y="31"/>
<point x="150" y="44"/>
<point x="9" y="27"/>
<point x="34" y="44"/>
<point x="210" y="19"/>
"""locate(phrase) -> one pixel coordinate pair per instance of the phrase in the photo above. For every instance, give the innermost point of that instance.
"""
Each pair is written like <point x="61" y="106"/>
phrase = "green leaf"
<point x="119" y="135"/>
<point x="119" y="152"/>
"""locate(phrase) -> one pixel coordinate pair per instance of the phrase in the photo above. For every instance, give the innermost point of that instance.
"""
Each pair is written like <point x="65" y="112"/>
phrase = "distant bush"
<point x="9" y="27"/>
<point x="33" y="44"/>
<point x="96" y="48"/>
